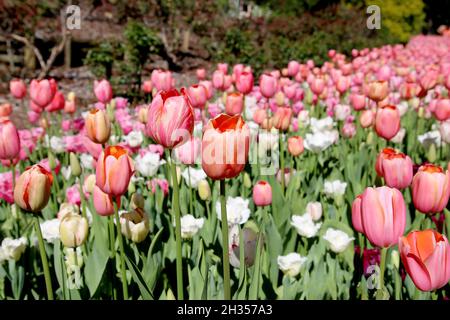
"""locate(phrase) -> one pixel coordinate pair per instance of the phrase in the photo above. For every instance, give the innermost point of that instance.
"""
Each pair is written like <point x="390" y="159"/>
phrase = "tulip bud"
<point x="204" y="190"/>
<point x="134" y="225"/>
<point x="431" y="154"/>
<point x="73" y="230"/>
<point x="75" y="165"/>
<point x="71" y="96"/>
<point x="89" y="183"/>
<point x="131" y="187"/>
<point x="32" y="190"/>
<point x="143" y="115"/>
<point x="137" y="201"/>
<point x="67" y="209"/>
<point x="421" y="112"/>
<point x="395" y="259"/>
<point x="262" y="193"/>
<point x="370" y="137"/>
<point x="247" y="180"/>
<point x="98" y="126"/>
<point x="314" y="209"/>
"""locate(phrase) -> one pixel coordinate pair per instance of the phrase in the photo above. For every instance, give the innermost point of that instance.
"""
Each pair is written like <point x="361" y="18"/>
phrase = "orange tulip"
<point x="114" y="171"/>
<point x="98" y="126"/>
<point x="225" y="146"/>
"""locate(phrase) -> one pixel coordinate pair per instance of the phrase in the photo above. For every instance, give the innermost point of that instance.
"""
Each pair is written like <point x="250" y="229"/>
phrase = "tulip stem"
<point x="48" y="280"/>
<point x="226" y="256"/>
<point x="176" y="210"/>
<point x="112" y="242"/>
<point x="281" y="162"/>
<point x="191" y="203"/>
<point x="123" y="270"/>
<point x="382" y="265"/>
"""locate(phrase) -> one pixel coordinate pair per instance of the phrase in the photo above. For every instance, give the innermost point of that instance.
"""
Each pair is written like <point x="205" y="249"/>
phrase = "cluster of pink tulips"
<point x="293" y="137"/>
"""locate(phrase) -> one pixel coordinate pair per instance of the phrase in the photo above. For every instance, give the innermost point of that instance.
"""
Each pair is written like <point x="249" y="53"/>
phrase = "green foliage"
<point x="401" y="18"/>
<point x="100" y="59"/>
<point x="140" y="42"/>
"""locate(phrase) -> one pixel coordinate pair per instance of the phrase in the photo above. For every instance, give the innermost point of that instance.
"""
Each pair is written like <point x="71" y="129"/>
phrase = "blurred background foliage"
<point x="126" y="39"/>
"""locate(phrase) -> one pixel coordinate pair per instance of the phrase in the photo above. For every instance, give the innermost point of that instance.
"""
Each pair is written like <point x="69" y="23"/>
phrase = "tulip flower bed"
<point x="311" y="182"/>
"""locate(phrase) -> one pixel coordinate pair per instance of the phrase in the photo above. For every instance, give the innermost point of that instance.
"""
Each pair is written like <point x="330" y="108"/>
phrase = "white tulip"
<point x="305" y="225"/>
<point x="337" y="239"/>
<point x="291" y="263"/>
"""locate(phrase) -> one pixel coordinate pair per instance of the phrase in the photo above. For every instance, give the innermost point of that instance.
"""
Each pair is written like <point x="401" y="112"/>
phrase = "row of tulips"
<point x="212" y="190"/>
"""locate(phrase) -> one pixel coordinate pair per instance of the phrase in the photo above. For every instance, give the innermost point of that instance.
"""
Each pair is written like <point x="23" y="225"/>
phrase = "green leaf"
<point x="255" y="282"/>
<point x="137" y="277"/>
<point x="95" y="266"/>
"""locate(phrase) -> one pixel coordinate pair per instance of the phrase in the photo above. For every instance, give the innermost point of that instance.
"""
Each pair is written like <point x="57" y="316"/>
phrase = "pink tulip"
<point x="103" y="202"/>
<point x="223" y="67"/>
<point x="387" y="122"/>
<point x="218" y="79"/>
<point x="197" y="95"/>
<point x="65" y="125"/>
<point x="103" y="91"/>
<point x="348" y="130"/>
<point x="114" y="171"/>
<point x="426" y="257"/>
<point x="162" y="80"/>
<point x="356" y="214"/>
<point x="317" y="85"/>
<point x="147" y="86"/>
<point x="42" y="92"/>
<point x="262" y="194"/>
<point x="295" y="145"/>
<point x="189" y="152"/>
<point x="382" y="215"/>
<point x="201" y="74"/>
<point x="18" y="88"/>
<point x="431" y="189"/>
<point x="282" y="118"/>
<point x="70" y="107"/>
<point x="170" y="118"/>
<point x="395" y="167"/>
<point x="268" y="85"/>
<point x="9" y="140"/>
<point x="244" y="82"/>
<point x="342" y="84"/>
<point x="234" y="103"/>
<point x="209" y="88"/>
<point x="33" y="117"/>
<point x="227" y="82"/>
<point x="57" y="103"/>
<point x="293" y="68"/>
<point x="366" y="118"/>
<point x="73" y="194"/>
<point x="442" y="110"/>
<point x="358" y="101"/>
<point x="259" y="116"/>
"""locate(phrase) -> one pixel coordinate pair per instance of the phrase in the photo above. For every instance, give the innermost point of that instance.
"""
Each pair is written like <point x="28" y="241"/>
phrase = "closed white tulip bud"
<point x="73" y="230"/>
<point x="204" y="190"/>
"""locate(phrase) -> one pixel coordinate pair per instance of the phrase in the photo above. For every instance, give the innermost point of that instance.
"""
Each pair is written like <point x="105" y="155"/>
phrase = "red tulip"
<point x="225" y="146"/>
<point x="5" y="110"/>
<point x="57" y="103"/>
